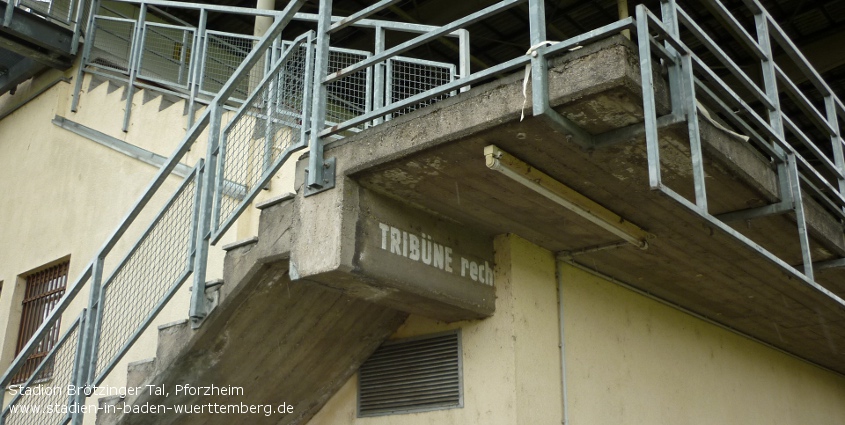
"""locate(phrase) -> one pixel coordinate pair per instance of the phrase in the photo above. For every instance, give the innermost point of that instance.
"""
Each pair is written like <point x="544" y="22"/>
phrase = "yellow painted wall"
<point x="511" y="361"/>
<point x="630" y="360"/>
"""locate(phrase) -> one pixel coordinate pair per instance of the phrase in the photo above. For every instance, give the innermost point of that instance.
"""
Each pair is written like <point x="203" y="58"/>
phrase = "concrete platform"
<point x="432" y="161"/>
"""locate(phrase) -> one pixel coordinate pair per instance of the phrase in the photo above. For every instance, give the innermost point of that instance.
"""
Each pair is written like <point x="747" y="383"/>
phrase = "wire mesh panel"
<point x="46" y="401"/>
<point x="166" y="53"/>
<point x="59" y="10"/>
<point x="349" y="96"/>
<point x="112" y="43"/>
<point x="146" y="277"/>
<point x="224" y="52"/>
<point x="408" y="77"/>
<point x="261" y="133"/>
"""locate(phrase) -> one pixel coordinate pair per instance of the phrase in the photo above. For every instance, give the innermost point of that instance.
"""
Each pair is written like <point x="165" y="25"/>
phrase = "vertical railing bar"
<point x="388" y="85"/>
<point x="198" y="301"/>
<point x="86" y="53"/>
<point x="318" y="119"/>
<point x="464" y="58"/>
<point x="669" y="15"/>
<point x="539" y="65"/>
<point x="192" y="245"/>
<point x="95" y="311"/>
<point x="79" y="364"/>
<point x="308" y="83"/>
<point x="379" y="80"/>
<point x="135" y="58"/>
<point x="697" y="156"/>
<point x="221" y="177"/>
<point x="368" y="93"/>
<point x="836" y="141"/>
<point x="269" y="104"/>
<point x="682" y="69"/>
<point x="77" y="27"/>
<point x="197" y="62"/>
<point x="800" y="217"/>
<point x="182" y="55"/>
<point x="649" y="104"/>
<point x="775" y="117"/>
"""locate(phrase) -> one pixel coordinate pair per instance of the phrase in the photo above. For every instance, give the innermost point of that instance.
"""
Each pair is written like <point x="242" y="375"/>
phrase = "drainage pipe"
<point x="559" y="262"/>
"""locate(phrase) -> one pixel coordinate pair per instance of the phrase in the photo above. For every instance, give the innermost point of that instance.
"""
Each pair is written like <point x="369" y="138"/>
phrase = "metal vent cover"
<point x="412" y="375"/>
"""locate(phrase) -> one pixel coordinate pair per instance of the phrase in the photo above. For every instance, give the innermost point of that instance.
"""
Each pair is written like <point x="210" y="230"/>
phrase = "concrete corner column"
<point x="262" y="23"/>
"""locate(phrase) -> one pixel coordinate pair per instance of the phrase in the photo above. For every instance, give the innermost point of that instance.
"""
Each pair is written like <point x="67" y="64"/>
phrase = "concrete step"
<point x="278" y="341"/>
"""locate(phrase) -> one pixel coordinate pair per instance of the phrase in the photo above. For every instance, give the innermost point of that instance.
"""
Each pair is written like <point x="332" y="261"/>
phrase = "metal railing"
<point x="126" y="291"/>
<point x="807" y="158"/>
<point x="157" y="51"/>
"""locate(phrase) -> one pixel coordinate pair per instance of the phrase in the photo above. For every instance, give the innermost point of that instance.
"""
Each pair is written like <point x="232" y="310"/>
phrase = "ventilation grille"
<point x="412" y="375"/>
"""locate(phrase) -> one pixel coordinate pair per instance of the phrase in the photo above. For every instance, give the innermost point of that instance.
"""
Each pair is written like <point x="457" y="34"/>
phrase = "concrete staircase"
<point x="287" y="344"/>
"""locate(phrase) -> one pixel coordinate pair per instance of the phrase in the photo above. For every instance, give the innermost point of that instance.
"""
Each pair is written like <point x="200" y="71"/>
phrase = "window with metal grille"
<point x="412" y="375"/>
<point x="43" y="291"/>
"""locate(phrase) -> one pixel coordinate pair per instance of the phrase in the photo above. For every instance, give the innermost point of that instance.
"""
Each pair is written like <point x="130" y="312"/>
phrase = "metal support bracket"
<point x="838" y="263"/>
<point x="542" y="108"/>
<point x="212" y="299"/>
<point x="328" y="178"/>
<point x="782" y="207"/>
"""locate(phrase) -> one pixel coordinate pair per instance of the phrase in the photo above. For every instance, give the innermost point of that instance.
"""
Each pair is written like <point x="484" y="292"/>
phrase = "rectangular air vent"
<point x="412" y="375"/>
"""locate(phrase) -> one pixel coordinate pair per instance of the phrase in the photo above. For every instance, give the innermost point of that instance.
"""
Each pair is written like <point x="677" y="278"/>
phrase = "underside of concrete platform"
<point x="433" y="160"/>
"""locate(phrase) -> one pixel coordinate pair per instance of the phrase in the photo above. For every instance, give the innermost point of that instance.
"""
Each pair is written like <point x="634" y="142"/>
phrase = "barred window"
<point x="44" y="289"/>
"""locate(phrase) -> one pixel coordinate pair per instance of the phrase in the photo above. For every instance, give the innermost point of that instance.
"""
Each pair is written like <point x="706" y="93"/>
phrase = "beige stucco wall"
<point x="511" y="361"/>
<point x="632" y="360"/>
<point x="629" y="360"/>
<point x="63" y="195"/>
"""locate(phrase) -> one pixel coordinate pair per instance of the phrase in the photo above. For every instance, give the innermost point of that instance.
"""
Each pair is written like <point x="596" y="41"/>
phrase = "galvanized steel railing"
<point x="157" y="51"/>
<point x="808" y="159"/>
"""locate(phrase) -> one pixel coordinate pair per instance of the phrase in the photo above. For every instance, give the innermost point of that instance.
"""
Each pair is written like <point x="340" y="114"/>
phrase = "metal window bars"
<point x="43" y="291"/>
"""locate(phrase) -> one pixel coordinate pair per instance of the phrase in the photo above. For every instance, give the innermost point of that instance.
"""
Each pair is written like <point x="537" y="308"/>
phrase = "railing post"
<point x="92" y="322"/>
<point x="318" y="178"/>
<point x="836" y="140"/>
<point x="379" y="78"/>
<point x="649" y="104"/>
<point x="197" y="63"/>
<point x="208" y="175"/>
<point x="86" y="53"/>
<point x="682" y="93"/>
<point x="77" y="26"/>
<point x="669" y="14"/>
<point x="134" y="63"/>
<point x="464" y="58"/>
<point x="789" y="175"/>
<point x="539" y="66"/>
